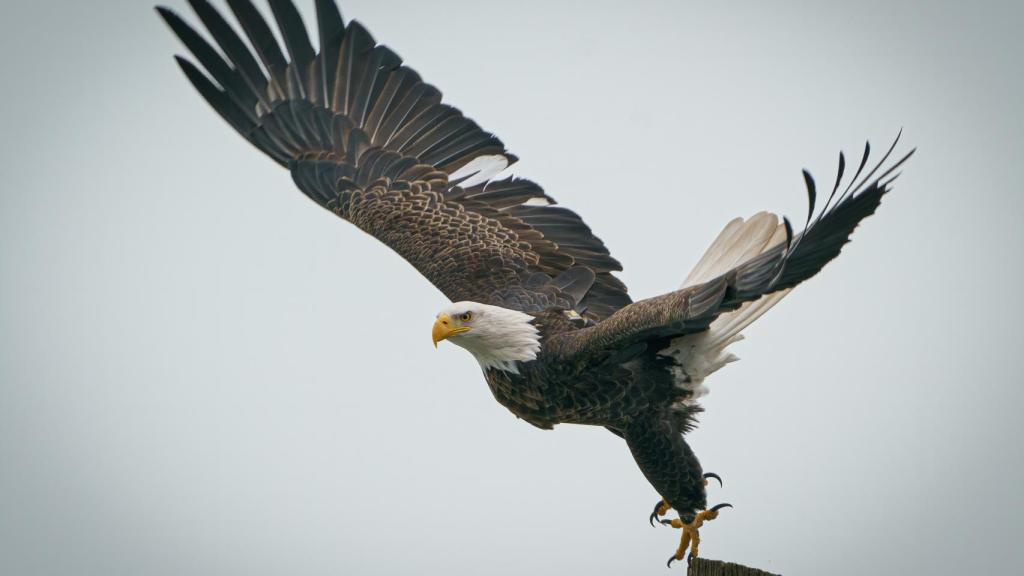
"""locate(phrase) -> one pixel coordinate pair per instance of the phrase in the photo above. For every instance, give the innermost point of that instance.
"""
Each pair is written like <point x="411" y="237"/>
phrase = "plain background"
<point x="203" y="373"/>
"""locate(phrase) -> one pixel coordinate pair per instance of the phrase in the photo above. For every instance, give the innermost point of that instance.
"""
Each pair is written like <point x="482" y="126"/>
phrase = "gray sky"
<point x="203" y="373"/>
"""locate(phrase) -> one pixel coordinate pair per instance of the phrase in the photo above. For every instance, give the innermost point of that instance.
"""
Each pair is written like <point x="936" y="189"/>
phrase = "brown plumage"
<point x="367" y="139"/>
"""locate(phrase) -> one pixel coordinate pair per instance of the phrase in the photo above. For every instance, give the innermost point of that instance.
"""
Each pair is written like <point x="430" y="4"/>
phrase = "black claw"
<point x="688" y="558"/>
<point x="654" y="514"/>
<point x="718" y="507"/>
<point x="671" y="559"/>
<point x="665" y="522"/>
<point x="715" y="476"/>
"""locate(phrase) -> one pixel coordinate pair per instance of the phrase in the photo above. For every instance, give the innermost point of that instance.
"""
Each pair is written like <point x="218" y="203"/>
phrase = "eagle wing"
<point x="367" y="139"/>
<point x="664" y="322"/>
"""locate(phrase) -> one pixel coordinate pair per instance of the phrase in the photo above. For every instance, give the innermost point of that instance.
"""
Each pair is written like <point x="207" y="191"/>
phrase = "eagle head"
<point x="498" y="338"/>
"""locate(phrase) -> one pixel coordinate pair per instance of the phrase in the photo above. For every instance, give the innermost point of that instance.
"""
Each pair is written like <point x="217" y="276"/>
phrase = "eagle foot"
<point x="661" y="507"/>
<point x="690" y="538"/>
<point x="715" y="476"/>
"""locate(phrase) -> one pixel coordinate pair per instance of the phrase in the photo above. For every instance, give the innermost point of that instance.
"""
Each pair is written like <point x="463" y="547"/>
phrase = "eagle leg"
<point x="668" y="463"/>
<point x="690" y="538"/>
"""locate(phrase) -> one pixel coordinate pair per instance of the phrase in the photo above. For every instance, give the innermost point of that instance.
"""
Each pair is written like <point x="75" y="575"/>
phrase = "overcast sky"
<point x="201" y="372"/>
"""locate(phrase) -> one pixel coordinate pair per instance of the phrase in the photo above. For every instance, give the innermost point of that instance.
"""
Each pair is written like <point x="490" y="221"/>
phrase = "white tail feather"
<point x="699" y="355"/>
<point x="738" y="242"/>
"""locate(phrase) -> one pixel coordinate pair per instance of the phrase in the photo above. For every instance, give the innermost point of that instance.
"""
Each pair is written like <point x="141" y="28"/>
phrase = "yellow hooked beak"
<point x="443" y="329"/>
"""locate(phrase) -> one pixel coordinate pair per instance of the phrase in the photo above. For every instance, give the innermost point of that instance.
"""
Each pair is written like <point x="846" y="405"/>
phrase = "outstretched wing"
<point x="366" y="138"/>
<point x="664" y="321"/>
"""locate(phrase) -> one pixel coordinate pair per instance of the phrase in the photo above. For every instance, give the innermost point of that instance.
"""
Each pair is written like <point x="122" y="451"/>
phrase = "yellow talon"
<point x="690" y="538"/>
<point x="664" y="508"/>
<point x="660" y="509"/>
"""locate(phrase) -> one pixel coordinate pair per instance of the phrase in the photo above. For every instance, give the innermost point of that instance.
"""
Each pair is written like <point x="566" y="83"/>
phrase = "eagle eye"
<point x="466" y="316"/>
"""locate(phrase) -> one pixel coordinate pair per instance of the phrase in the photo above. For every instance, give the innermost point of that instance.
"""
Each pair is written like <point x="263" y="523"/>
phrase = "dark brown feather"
<point x="366" y="138"/>
<point x="692" y="309"/>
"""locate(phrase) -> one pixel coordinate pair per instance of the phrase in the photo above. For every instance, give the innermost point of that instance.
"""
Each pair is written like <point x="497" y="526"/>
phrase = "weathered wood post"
<point x="705" y="567"/>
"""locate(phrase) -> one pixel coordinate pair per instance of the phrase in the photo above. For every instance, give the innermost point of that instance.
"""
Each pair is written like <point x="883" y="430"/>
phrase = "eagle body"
<point x="604" y="388"/>
<point x="534" y="294"/>
<point x="637" y="393"/>
<point x="636" y="398"/>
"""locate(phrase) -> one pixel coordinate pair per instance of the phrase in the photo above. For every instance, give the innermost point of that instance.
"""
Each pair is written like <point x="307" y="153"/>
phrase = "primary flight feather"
<point x="534" y="298"/>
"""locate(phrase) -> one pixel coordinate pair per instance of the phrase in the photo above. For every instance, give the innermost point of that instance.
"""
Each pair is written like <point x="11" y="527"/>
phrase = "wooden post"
<point x="705" y="567"/>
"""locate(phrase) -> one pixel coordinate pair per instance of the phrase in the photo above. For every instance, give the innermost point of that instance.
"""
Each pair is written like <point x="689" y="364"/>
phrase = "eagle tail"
<point x="740" y="241"/>
<point x="737" y="243"/>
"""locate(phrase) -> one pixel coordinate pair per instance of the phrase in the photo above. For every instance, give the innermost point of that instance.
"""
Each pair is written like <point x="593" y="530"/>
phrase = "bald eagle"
<point x="535" y="299"/>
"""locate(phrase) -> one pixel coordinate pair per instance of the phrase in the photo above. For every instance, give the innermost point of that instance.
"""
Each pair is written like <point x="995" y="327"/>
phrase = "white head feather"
<point x="497" y="337"/>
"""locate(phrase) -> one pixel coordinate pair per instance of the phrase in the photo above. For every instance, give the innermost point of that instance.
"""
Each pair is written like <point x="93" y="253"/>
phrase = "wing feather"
<point x="366" y="138"/>
<point x="757" y="282"/>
